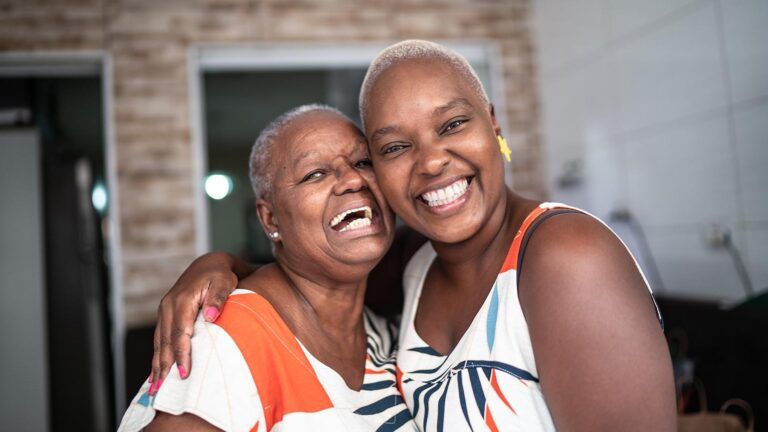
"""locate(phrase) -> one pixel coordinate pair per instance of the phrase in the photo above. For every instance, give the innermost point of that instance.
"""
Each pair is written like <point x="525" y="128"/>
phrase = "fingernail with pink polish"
<point x="159" y="383"/>
<point x="151" y="389"/>
<point x="211" y="313"/>
<point x="182" y="371"/>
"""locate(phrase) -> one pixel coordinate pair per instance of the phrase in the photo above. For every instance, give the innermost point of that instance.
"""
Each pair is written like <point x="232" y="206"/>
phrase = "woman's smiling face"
<point x="325" y="201"/>
<point x="433" y="144"/>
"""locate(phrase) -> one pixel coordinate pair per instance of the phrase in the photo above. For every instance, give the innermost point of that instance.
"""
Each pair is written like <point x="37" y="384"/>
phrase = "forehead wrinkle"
<point x="458" y="102"/>
<point x="305" y="155"/>
<point x="317" y="150"/>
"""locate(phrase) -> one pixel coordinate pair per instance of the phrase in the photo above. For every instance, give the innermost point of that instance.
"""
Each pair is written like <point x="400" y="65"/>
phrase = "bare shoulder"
<point x="575" y="264"/>
<point x="263" y="280"/>
<point x="578" y="247"/>
<point x="186" y="422"/>
<point x="594" y="330"/>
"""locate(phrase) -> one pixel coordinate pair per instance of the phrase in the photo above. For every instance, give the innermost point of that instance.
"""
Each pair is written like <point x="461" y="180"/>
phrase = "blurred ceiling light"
<point x="99" y="197"/>
<point x="218" y="186"/>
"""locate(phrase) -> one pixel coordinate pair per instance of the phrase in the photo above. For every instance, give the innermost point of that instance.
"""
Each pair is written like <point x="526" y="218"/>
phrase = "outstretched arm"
<point x="210" y="279"/>
<point x="205" y="284"/>
<point x="601" y="355"/>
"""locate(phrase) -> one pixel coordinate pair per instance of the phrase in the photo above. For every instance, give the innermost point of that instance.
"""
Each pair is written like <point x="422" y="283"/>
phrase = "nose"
<point x="349" y="180"/>
<point x="432" y="159"/>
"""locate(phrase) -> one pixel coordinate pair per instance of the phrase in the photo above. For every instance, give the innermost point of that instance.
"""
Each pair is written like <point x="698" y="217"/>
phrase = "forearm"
<point x="239" y="267"/>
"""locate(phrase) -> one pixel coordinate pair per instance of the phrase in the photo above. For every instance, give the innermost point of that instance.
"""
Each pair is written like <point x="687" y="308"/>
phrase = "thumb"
<point x="215" y="296"/>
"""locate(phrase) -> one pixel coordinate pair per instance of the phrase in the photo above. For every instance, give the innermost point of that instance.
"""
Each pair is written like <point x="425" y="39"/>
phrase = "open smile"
<point x="447" y="196"/>
<point x="353" y="219"/>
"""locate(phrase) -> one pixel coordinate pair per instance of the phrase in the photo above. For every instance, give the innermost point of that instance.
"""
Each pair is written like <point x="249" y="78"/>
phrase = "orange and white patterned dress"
<point x="250" y="373"/>
<point x="489" y="381"/>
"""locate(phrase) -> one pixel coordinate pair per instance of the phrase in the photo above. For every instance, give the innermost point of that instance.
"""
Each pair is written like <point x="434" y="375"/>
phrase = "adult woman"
<point x="295" y="349"/>
<point x="501" y="327"/>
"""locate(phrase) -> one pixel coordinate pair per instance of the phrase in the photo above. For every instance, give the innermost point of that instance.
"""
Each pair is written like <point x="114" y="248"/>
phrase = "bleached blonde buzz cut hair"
<point x="416" y="49"/>
<point x="260" y="162"/>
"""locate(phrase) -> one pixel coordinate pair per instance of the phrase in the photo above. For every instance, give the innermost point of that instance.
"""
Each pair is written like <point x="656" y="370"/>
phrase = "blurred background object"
<point x="655" y="118"/>
<point x="125" y="128"/>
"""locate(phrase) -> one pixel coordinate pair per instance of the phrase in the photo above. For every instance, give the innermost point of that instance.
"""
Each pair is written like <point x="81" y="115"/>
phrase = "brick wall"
<point x="148" y="40"/>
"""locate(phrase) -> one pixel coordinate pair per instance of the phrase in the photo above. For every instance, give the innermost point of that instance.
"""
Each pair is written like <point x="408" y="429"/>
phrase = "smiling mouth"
<point x="352" y="219"/>
<point x="446" y="195"/>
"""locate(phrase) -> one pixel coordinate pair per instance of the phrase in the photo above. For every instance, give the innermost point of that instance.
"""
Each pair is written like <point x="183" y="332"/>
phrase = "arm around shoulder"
<point x="600" y="352"/>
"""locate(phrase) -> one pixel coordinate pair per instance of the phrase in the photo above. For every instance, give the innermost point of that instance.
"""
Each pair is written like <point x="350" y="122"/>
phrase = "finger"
<point x="155" y="357"/>
<point x="165" y="352"/>
<point x="215" y="296"/>
<point x="181" y="338"/>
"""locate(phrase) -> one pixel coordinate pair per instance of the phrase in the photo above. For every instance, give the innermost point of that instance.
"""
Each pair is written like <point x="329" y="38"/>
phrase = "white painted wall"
<point x="24" y="354"/>
<point x="664" y="104"/>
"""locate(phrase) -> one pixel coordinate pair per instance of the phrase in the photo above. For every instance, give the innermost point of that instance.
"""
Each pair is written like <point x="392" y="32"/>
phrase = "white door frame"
<point x="90" y="63"/>
<point x="302" y="56"/>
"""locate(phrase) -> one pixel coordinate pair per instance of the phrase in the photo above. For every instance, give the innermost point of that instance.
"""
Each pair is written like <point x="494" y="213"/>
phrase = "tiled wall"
<point x="662" y="107"/>
<point x="149" y="41"/>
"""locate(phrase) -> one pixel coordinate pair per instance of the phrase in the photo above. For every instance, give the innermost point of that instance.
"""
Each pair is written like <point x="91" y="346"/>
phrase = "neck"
<point x="487" y="248"/>
<point x="334" y="306"/>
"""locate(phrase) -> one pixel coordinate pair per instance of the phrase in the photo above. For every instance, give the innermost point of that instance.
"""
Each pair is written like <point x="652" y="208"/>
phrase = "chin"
<point x="370" y="252"/>
<point x="452" y="236"/>
<point x="452" y="231"/>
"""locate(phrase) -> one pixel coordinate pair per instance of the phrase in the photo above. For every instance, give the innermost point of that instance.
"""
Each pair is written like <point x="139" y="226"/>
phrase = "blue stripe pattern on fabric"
<point x="144" y="400"/>
<point x="441" y="406"/>
<point x="395" y="422"/>
<point x="493" y="314"/>
<point x="504" y="367"/>
<point x="477" y="390"/>
<point x="378" y="385"/>
<point x="463" y="400"/>
<point x="428" y="350"/>
<point x="380" y="405"/>
<point x="427" y="395"/>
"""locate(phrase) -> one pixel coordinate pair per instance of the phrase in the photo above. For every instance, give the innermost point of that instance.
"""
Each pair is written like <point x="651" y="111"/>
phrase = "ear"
<point x="266" y="214"/>
<point x="494" y="122"/>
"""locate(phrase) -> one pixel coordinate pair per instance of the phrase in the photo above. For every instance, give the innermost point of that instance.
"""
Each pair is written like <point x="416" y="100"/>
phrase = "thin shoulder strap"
<point x="554" y="211"/>
<point x="528" y="232"/>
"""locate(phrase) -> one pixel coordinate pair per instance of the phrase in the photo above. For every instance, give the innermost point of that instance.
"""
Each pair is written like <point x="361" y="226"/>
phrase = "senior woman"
<point x="294" y="348"/>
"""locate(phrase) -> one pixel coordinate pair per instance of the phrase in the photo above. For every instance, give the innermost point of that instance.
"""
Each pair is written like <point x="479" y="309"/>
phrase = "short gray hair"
<point x="261" y="152"/>
<point x="416" y="49"/>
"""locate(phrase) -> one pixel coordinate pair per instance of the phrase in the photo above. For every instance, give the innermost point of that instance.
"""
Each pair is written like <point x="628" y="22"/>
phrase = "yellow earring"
<point x="504" y="148"/>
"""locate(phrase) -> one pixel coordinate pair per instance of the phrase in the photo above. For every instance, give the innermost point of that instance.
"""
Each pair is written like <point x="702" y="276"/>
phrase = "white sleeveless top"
<point x="489" y="381"/>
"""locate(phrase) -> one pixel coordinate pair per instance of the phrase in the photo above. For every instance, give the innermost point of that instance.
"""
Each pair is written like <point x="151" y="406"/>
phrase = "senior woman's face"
<point x="327" y="204"/>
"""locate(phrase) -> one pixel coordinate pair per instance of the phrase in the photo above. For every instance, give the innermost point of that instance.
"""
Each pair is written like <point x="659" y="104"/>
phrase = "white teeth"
<point x="340" y="217"/>
<point x="357" y="223"/>
<point x="447" y="194"/>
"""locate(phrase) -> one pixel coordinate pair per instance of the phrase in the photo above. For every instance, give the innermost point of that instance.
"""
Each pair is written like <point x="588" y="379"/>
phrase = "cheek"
<point x="395" y="191"/>
<point x="302" y="213"/>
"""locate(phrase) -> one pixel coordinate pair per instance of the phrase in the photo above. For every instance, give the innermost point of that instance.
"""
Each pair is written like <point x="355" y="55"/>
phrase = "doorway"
<point x="237" y="90"/>
<point x="54" y="139"/>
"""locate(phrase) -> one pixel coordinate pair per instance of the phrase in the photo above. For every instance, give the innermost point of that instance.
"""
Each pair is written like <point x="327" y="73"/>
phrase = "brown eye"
<point x="453" y="125"/>
<point x="364" y="163"/>
<point x="314" y="175"/>
<point x="393" y="148"/>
